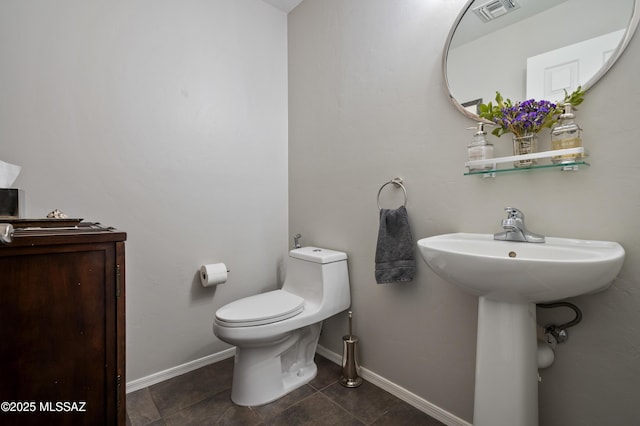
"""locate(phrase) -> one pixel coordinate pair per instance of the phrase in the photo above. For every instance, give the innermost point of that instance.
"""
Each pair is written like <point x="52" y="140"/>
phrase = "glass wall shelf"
<point x="496" y="162"/>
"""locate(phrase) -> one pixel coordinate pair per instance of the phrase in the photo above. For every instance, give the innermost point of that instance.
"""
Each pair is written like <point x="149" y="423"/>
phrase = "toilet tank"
<point x="320" y="276"/>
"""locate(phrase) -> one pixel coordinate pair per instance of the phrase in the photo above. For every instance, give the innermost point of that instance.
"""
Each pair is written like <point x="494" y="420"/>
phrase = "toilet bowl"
<point x="276" y="333"/>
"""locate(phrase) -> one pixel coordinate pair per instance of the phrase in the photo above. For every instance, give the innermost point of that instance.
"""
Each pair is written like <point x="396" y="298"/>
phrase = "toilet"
<point x="276" y="333"/>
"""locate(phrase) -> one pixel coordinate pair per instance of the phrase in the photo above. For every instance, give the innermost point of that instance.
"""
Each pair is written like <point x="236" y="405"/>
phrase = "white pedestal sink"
<point x="510" y="277"/>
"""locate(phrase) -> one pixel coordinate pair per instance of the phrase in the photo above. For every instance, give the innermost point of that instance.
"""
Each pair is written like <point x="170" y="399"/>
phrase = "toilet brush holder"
<point x="350" y="367"/>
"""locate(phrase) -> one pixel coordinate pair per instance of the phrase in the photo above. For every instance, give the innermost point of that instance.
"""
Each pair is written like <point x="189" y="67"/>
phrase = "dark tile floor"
<point x="203" y="397"/>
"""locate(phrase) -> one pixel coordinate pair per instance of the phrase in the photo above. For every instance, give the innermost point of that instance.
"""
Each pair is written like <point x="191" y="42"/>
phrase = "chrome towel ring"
<point x="397" y="182"/>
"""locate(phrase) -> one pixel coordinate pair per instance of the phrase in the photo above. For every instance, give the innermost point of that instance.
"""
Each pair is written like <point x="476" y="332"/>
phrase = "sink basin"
<point x="509" y="278"/>
<point x="527" y="272"/>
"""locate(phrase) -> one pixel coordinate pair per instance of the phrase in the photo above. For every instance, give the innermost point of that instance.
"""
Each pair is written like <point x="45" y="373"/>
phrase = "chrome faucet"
<point x="296" y="241"/>
<point x="514" y="229"/>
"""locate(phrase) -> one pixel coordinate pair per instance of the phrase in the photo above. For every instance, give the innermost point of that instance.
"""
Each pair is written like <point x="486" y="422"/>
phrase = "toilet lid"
<point x="260" y="309"/>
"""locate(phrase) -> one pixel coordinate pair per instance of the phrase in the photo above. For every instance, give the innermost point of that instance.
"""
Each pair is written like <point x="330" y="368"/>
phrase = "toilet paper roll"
<point x="213" y="274"/>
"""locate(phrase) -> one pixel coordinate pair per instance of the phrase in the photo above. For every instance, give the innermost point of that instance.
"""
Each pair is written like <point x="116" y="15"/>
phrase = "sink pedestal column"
<point x="506" y="392"/>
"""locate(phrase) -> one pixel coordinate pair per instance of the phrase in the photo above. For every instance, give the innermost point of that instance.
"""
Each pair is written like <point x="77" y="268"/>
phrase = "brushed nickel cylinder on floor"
<point x="350" y="367"/>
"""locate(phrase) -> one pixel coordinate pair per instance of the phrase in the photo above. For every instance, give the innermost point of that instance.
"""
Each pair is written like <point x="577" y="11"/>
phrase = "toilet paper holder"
<point x="213" y="274"/>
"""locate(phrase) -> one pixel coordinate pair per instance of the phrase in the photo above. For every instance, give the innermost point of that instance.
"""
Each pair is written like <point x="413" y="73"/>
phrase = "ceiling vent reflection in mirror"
<point x="494" y="9"/>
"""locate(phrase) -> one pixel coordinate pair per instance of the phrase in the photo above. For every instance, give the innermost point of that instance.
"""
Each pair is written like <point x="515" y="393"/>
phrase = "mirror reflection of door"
<point x="549" y="74"/>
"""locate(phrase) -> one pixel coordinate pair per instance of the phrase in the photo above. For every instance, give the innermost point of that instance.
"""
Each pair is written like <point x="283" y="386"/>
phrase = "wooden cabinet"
<point x="62" y="327"/>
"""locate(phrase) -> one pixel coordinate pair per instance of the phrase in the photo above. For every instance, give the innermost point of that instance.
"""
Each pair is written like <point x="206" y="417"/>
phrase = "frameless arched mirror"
<point x="533" y="48"/>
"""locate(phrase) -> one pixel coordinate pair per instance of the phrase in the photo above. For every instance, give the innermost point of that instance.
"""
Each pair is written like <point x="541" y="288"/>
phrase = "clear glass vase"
<point x="527" y="144"/>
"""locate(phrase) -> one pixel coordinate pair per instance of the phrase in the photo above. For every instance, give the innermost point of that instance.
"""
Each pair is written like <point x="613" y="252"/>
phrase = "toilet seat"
<point x="260" y="309"/>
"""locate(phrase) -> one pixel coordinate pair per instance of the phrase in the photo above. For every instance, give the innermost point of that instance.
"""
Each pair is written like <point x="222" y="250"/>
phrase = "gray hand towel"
<point x="395" y="261"/>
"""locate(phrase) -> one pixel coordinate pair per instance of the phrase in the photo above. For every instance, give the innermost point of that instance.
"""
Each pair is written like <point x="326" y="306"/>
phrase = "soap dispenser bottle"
<point x="480" y="149"/>
<point x="566" y="134"/>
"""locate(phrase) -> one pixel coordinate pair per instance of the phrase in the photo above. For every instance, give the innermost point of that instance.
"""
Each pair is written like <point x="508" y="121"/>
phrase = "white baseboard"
<point x="167" y="374"/>
<point x="400" y="392"/>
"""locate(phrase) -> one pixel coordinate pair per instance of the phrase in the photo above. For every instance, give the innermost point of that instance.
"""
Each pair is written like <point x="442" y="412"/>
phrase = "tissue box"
<point x="11" y="203"/>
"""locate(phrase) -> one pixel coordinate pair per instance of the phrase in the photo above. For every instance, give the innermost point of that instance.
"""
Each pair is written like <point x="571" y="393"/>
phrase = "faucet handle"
<point x="513" y="213"/>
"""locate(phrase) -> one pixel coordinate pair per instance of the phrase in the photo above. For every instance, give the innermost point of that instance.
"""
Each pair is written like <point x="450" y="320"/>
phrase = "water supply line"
<point x="296" y="241"/>
<point x="558" y="333"/>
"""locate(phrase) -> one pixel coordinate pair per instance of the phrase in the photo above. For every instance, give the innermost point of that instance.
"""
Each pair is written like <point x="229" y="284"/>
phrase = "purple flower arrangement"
<point x="525" y="117"/>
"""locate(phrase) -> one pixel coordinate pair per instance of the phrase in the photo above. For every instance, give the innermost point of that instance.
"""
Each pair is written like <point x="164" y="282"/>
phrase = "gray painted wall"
<point x="167" y="120"/>
<point x="366" y="104"/>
